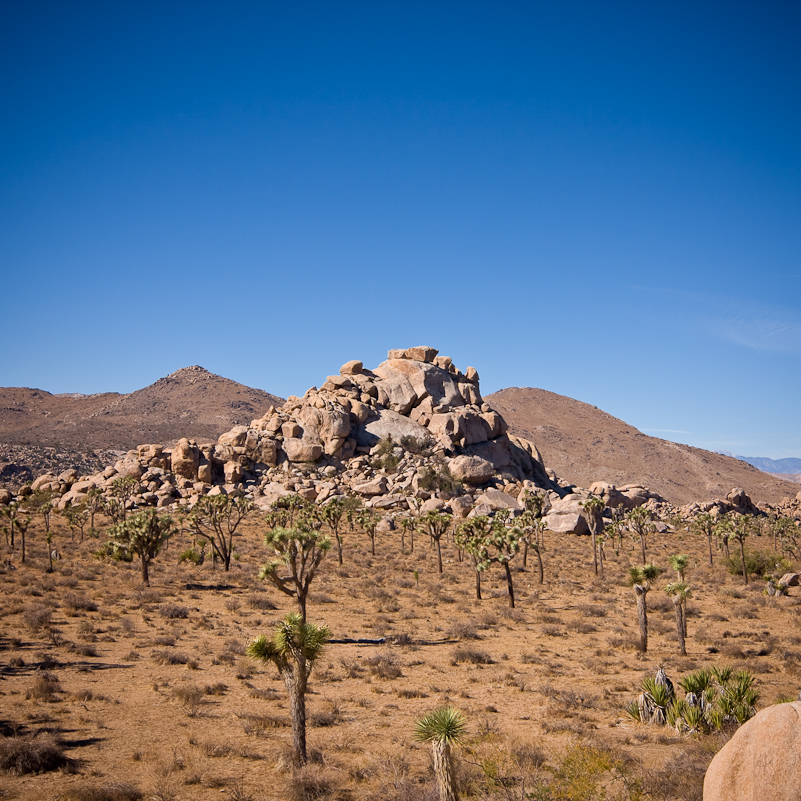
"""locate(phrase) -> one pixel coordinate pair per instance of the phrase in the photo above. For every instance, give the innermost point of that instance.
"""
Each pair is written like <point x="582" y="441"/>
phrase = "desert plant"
<point x="679" y="562"/>
<point x="443" y="728"/>
<point x="77" y="518"/>
<point x="639" y="523"/>
<point x="640" y="579"/>
<point x="593" y="509"/>
<point x="293" y="649"/>
<point x="435" y="525"/>
<point x="679" y="592"/>
<point x="300" y="550"/>
<point x="122" y="489"/>
<point x="332" y="512"/>
<point x="704" y="524"/>
<point x="143" y="534"/>
<point x="216" y="519"/>
<point x="369" y="520"/>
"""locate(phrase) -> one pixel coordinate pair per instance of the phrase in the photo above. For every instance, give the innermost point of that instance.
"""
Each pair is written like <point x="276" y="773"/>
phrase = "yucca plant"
<point x="443" y="728"/>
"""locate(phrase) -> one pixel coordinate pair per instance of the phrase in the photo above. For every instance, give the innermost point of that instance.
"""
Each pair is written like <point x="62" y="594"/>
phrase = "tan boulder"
<point x="233" y="472"/>
<point x="205" y="472"/>
<point x="353" y="367"/>
<point x="185" y="459"/>
<point x="236" y="437"/>
<point x="762" y="761"/>
<point x="427" y="380"/>
<point x="302" y="450"/>
<point x="461" y="505"/>
<point x="129" y="467"/>
<point x="471" y="469"/>
<point x="5" y="497"/>
<point x="330" y="425"/>
<point x="291" y="430"/>
<point x="566" y="516"/>
<point x="421" y="353"/>
<point x="39" y="483"/>
<point x="377" y="486"/>
<point x="497" y="500"/>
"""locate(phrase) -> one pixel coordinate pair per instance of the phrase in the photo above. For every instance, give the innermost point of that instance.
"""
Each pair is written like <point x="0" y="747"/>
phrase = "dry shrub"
<point x="312" y="782"/>
<point x="37" y="616"/>
<point x="169" y="658"/>
<point x="37" y="753"/>
<point x="413" y="693"/>
<point x="44" y="688"/>
<point x="172" y="611"/>
<point x="682" y="776"/>
<point x="258" y="725"/>
<point x="117" y="791"/>
<point x="471" y="655"/>
<point x="462" y="630"/>
<point x="74" y="602"/>
<point x="384" y="666"/>
<point x="261" y="603"/>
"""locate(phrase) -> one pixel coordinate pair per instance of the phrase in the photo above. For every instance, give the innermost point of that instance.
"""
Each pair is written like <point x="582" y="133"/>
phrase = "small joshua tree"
<point x="593" y="509"/>
<point x="369" y="521"/>
<point x="679" y="562"/>
<point x="332" y="513"/>
<point x="435" y="525"/>
<point x="640" y="579"/>
<point x="123" y="489"/>
<point x="704" y="524"/>
<point x="300" y="551"/>
<point x="294" y="648"/>
<point x="639" y="523"/>
<point x="143" y="534"/>
<point x="443" y="728"/>
<point x="679" y="591"/>
<point x="469" y="535"/>
<point x="216" y="519"/>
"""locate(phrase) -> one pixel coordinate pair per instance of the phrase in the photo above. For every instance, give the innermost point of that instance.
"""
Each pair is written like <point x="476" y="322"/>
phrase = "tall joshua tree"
<point x="704" y="524"/>
<point x="593" y="509"/>
<point x="640" y="579"/>
<point x="678" y="591"/>
<point x="443" y="728"/>
<point x="435" y="525"/>
<point x="639" y="523"/>
<point x="143" y="534"/>
<point x="294" y="648"/>
<point x="216" y="518"/>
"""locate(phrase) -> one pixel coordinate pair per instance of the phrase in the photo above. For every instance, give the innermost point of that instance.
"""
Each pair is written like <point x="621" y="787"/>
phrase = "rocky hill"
<point x="583" y="444"/>
<point x="41" y="432"/>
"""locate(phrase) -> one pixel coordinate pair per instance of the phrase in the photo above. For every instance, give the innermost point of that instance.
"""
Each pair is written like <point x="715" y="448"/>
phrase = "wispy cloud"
<point x="758" y="329"/>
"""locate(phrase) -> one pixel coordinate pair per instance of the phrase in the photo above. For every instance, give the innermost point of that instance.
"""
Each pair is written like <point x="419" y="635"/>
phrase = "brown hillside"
<point x="583" y="444"/>
<point x="190" y="402"/>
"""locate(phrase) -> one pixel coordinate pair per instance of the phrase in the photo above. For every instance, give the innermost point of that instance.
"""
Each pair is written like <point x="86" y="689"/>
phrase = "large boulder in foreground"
<point x="762" y="762"/>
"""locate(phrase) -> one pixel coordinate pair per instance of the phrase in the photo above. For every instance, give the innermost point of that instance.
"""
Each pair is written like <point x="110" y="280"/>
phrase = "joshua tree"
<point x="494" y="543"/>
<point x="332" y="513"/>
<point x="77" y="518"/>
<point x="293" y="649"/>
<point x="435" y="525"/>
<point x="94" y="504"/>
<point x="443" y="728"/>
<point x="407" y="527"/>
<point x="468" y="535"/>
<point x="216" y="518"/>
<point x="639" y="523"/>
<point x="679" y="591"/>
<point x="640" y="579"/>
<point x="368" y="520"/>
<point x="22" y="526"/>
<point x="679" y="562"/>
<point x="300" y="550"/>
<point x="291" y="504"/>
<point x="12" y="512"/>
<point x="705" y="524"/>
<point x="41" y="502"/>
<point x="593" y="512"/>
<point x="143" y="534"/>
<point x="740" y="529"/>
<point x="532" y="528"/>
<point x="723" y="531"/>
<point x="785" y="535"/>
<point x="122" y="489"/>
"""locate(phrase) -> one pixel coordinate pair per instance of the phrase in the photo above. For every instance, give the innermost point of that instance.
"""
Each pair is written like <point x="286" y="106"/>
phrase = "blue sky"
<point x="599" y="199"/>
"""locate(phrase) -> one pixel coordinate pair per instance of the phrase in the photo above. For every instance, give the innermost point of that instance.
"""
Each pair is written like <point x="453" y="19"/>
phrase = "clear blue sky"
<point x="599" y="199"/>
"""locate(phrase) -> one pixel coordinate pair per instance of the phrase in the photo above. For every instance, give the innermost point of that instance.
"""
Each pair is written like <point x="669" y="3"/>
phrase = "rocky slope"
<point x="583" y="444"/>
<point x="40" y="431"/>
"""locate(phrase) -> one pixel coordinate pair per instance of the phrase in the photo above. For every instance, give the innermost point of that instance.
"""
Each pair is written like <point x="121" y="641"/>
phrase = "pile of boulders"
<point x="412" y="434"/>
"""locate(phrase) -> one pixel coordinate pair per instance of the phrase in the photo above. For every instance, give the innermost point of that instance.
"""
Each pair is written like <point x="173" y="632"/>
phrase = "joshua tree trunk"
<point x="709" y="540"/>
<point x="509" y="585"/>
<point x="439" y="556"/>
<point x="601" y="558"/>
<point x="539" y="566"/>
<point x="642" y="544"/>
<point x="478" y="585"/>
<point x="295" y="685"/>
<point x="594" y="552"/>
<point x="680" y="625"/>
<point x="742" y="556"/>
<point x="525" y="553"/>
<point x="443" y="768"/>
<point x="339" y="546"/>
<point x="642" y="615"/>
<point x="145" y="572"/>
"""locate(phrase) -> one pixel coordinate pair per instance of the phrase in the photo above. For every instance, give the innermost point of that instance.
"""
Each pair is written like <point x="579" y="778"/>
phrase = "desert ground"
<point x="148" y="693"/>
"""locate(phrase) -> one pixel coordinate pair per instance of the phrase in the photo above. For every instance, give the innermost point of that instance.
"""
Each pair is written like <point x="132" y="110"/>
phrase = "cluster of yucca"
<point x="714" y="698"/>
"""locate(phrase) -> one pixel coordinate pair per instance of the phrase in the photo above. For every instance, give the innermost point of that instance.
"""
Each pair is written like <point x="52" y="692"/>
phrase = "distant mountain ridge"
<point x="582" y="444"/>
<point x="191" y="402"/>
<point x="786" y="466"/>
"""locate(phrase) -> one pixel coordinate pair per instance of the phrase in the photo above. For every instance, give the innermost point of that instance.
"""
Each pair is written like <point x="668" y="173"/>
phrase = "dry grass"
<point x="90" y="652"/>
